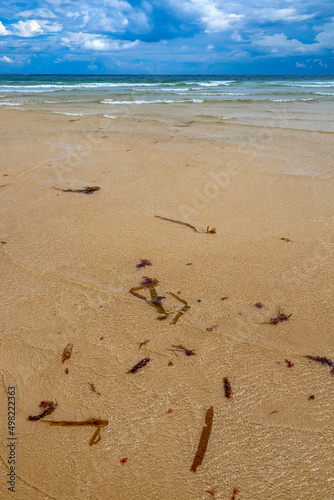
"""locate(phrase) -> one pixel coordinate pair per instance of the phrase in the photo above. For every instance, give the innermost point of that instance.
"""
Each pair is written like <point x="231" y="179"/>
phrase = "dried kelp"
<point x="259" y="305"/>
<point x="139" y="365"/>
<point x="286" y="239"/>
<point x="181" y="348"/>
<point x="143" y="343"/>
<point x="211" y="328"/>
<point x="93" y="388"/>
<point x="323" y="361"/>
<point x="227" y="388"/>
<point x="156" y="300"/>
<point x="143" y="263"/>
<point x="289" y="364"/>
<point x="49" y="407"/>
<point x="235" y="492"/>
<point x="96" y="437"/>
<point x="184" y="309"/>
<point x="204" y="439"/>
<point x="279" y="318"/>
<point x="123" y="460"/>
<point x="86" y="190"/>
<point x="67" y="352"/>
<point x="94" y="422"/>
<point x="208" y="230"/>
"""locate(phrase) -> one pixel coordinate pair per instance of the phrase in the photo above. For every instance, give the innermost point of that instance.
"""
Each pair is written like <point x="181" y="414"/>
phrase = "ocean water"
<point x="302" y="102"/>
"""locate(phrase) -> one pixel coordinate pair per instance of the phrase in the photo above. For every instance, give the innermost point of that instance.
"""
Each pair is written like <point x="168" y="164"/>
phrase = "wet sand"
<point x="68" y="261"/>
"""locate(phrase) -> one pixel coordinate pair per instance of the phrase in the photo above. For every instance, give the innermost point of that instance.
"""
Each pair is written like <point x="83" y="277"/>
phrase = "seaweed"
<point x="96" y="437"/>
<point x="92" y="386"/>
<point x="311" y="397"/>
<point x="86" y="190"/>
<point x="139" y="365"/>
<point x="123" y="460"/>
<point x="49" y="407"/>
<point x="181" y="348"/>
<point x="235" y="492"/>
<point x="156" y="300"/>
<point x="169" y="410"/>
<point x="211" y="328"/>
<point x="289" y="364"/>
<point x="143" y="263"/>
<point x="223" y="298"/>
<point x="143" y="343"/>
<point x="170" y="363"/>
<point x="212" y="492"/>
<point x="67" y="352"/>
<point x="183" y="309"/>
<point x="94" y="422"/>
<point x="323" y="361"/>
<point x="208" y="230"/>
<point x="279" y="318"/>
<point x="204" y="439"/>
<point x="259" y="305"/>
<point x="146" y="281"/>
<point x="286" y="239"/>
<point x="227" y="388"/>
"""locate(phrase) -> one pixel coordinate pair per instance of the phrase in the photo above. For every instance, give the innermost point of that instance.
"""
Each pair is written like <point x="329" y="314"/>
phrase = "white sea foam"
<point x="110" y="116"/>
<point x="68" y="114"/>
<point x="164" y="101"/>
<point x="10" y="104"/>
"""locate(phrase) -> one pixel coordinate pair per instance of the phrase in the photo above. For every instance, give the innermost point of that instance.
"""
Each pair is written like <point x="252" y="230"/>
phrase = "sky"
<point x="167" y="36"/>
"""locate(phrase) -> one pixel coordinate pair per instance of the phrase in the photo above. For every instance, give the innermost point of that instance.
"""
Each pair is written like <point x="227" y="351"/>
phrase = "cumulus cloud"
<point x="6" y="59"/>
<point x="3" y="30"/>
<point x="96" y="43"/>
<point x="207" y="13"/>
<point x="280" y="44"/>
<point x="32" y="27"/>
<point x="326" y="35"/>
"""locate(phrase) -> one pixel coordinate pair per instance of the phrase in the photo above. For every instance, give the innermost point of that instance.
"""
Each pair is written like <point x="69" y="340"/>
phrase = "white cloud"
<point x="3" y="30"/>
<point x="236" y="37"/>
<point x="208" y="13"/>
<point x="288" y="15"/>
<point x="32" y="27"/>
<point x="281" y="45"/>
<point x="300" y="65"/>
<point x="326" y="36"/>
<point x="6" y="59"/>
<point x="98" y="43"/>
<point x="210" y="47"/>
<point x="37" y="13"/>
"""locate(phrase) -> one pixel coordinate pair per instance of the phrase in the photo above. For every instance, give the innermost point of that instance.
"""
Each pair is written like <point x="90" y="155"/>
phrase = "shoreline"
<point x="69" y="261"/>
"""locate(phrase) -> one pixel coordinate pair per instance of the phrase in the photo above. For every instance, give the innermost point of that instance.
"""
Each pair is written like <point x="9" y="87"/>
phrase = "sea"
<point x="297" y="102"/>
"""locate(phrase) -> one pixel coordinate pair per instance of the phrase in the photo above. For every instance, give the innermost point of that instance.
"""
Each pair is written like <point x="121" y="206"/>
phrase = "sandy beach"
<point x="68" y="261"/>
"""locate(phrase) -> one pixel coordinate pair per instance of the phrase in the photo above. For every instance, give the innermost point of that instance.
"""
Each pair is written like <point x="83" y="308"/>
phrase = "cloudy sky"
<point x="167" y="36"/>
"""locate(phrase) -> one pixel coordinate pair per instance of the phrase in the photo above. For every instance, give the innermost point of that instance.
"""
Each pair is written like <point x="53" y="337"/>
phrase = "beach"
<point x="69" y="260"/>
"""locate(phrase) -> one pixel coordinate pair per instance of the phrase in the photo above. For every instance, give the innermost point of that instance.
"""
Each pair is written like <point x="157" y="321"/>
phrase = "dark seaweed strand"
<point x="178" y="222"/>
<point x="204" y="439"/>
<point x="46" y="412"/>
<point x="228" y="388"/>
<point x="323" y="361"/>
<point x="139" y="365"/>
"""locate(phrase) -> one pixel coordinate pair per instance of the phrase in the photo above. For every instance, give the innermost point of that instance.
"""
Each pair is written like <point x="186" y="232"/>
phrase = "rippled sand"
<point x="68" y="261"/>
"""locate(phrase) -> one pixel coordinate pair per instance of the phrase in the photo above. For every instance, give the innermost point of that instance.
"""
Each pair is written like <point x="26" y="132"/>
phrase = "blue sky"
<point x="167" y="36"/>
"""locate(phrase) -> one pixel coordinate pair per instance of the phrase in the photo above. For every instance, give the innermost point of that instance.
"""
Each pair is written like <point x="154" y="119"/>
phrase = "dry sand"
<point x="68" y="261"/>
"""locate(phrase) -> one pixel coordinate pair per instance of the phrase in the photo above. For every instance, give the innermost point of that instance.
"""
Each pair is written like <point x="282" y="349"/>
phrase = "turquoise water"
<point x="305" y="99"/>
